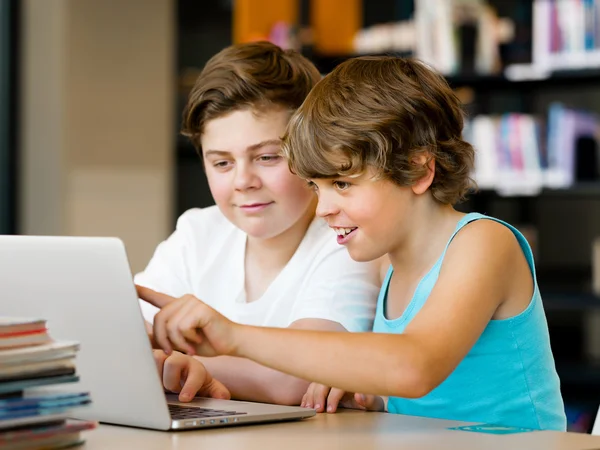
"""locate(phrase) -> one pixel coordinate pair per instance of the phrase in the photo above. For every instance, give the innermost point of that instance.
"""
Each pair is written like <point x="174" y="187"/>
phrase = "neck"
<point x="425" y="237"/>
<point x="275" y="252"/>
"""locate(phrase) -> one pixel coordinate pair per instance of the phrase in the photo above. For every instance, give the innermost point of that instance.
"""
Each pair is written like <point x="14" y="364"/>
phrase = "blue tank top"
<point x="507" y="378"/>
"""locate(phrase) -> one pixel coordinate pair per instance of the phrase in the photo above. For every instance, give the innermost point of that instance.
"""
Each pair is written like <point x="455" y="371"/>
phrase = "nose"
<point x="245" y="177"/>
<point x="326" y="205"/>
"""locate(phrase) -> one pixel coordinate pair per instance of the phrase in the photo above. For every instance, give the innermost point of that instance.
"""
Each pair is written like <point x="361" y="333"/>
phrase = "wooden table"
<point x="346" y="430"/>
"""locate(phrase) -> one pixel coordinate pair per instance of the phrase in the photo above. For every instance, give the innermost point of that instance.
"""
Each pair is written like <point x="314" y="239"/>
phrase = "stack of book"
<point x="31" y="416"/>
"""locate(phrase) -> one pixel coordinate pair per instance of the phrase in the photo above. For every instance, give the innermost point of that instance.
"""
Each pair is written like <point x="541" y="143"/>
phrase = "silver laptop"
<point x="84" y="288"/>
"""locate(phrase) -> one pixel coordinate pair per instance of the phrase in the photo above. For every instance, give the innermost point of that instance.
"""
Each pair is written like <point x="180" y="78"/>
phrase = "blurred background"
<point x="91" y="93"/>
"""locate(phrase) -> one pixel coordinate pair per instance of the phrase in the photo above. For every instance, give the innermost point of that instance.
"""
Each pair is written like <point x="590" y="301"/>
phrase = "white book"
<point x="31" y="368"/>
<point x="483" y="138"/>
<point x="25" y="340"/>
<point x="52" y="350"/>
<point x="541" y="33"/>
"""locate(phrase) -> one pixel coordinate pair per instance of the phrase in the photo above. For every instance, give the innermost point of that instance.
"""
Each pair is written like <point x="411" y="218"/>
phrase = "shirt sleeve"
<point x="168" y="270"/>
<point x="341" y="290"/>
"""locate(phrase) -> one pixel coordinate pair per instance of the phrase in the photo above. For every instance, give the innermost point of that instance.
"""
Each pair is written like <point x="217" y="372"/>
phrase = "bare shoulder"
<point x="488" y="253"/>
<point x="487" y="235"/>
<point x="486" y="246"/>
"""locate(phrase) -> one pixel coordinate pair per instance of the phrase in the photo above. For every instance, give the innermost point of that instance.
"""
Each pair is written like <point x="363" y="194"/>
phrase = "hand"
<point x="150" y="334"/>
<point x="187" y="376"/>
<point x="321" y="397"/>
<point x="189" y="325"/>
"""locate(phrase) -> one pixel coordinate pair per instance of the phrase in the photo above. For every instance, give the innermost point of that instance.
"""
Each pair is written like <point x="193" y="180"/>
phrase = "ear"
<point x="424" y="183"/>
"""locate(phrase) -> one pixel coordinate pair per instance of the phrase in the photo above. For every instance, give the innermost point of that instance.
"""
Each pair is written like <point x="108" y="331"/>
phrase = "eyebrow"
<point x="251" y="148"/>
<point x="262" y="144"/>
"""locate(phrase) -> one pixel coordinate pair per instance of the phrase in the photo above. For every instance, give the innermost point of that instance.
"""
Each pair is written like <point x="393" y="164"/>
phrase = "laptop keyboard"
<point x="179" y="412"/>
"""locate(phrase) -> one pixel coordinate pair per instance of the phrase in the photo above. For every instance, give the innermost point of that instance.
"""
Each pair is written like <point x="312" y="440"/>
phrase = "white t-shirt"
<point x="205" y="257"/>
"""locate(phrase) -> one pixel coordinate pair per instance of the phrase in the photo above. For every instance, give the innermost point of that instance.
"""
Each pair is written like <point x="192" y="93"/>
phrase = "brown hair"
<point x="255" y="75"/>
<point x="382" y="112"/>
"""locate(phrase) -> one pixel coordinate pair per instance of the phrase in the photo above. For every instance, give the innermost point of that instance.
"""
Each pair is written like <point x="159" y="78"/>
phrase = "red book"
<point x="11" y="334"/>
<point x="10" y="325"/>
<point x="21" y="332"/>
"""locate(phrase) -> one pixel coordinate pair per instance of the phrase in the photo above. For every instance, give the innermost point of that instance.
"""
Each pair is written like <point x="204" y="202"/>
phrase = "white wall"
<point x="97" y="120"/>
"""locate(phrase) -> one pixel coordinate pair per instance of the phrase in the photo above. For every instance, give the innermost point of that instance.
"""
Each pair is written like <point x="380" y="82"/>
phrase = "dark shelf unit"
<point x="570" y="301"/>
<point x="563" y="78"/>
<point x="10" y="12"/>
<point x="203" y="29"/>
<point x="579" y="189"/>
<point x="566" y="294"/>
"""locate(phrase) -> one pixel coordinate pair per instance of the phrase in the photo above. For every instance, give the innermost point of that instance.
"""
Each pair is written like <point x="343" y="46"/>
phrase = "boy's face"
<point x="372" y="210"/>
<point x="251" y="184"/>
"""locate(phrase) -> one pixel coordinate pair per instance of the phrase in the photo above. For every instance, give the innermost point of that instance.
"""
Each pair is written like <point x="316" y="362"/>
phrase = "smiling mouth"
<point x="255" y="205"/>
<point x="343" y="232"/>
<point x="255" y="208"/>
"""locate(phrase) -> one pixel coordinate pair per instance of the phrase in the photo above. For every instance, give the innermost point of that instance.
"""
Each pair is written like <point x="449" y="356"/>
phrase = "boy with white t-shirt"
<point x="260" y="257"/>
<point x="317" y="282"/>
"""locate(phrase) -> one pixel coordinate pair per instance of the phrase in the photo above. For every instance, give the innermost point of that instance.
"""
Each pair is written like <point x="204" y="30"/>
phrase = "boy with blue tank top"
<point x="460" y="331"/>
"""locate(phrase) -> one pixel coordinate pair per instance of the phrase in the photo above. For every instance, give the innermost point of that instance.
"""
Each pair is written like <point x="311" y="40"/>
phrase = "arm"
<point x="338" y="294"/>
<point x="415" y="362"/>
<point x="410" y="364"/>
<point x="405" y="365"/>
<point x="247" y="380"/>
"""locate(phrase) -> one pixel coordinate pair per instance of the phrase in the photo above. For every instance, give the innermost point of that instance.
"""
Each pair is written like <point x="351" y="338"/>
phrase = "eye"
<point x="341" y="185"/>
<point x="220" y="164"/>
<point x="312" y="186"/>
<point x="269" y="158"/>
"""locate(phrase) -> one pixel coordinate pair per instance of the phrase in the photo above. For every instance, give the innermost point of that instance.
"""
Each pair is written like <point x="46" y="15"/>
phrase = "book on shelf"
<point x="565" y="36"/>
<point x="453" y="36"/>
<point x="515" y="156"/>
<point x="566" y="33"/>
<point x="565" y="127"/>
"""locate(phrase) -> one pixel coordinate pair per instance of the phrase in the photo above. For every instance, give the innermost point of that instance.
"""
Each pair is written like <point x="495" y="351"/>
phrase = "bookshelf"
<point x="9" y="77"/>
<point x="584" y="301"/>
<point x="566" y="214"/>
<point x="558" y="78"/>
<point x="558" y="215"/>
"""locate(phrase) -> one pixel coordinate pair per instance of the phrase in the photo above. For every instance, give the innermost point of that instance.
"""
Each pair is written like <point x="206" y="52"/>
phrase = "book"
<point x="25" y="411"/>
<point x="10" y="388"/>
<point x="10" y="325"/>
<point x="38" y="403"/>
<point x="23" y="339"/>
<point x="49" y="417"/>
<point x="33" y="369"/>
<point x="45" y="352"/>
<point x="53" y="435"/>
<point x="520" y="154"/>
